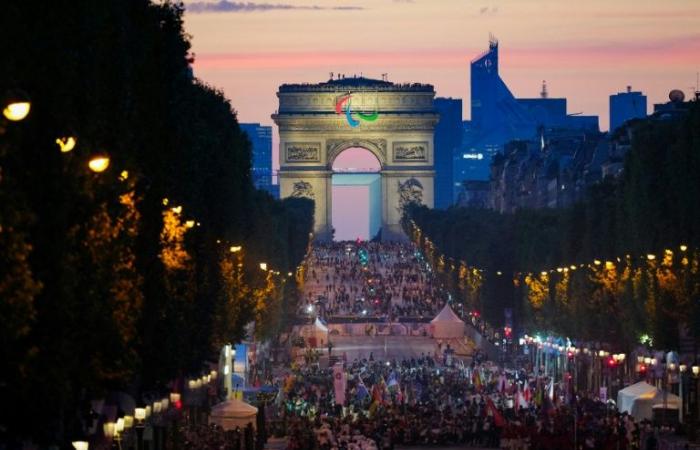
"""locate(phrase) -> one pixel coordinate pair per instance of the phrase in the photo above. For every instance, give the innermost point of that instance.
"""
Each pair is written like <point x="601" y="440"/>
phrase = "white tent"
<point x="639" y="399"/>
<point x="233" y="413"/>
<point x="446" y="325"/>
<point x="318" y="331"/>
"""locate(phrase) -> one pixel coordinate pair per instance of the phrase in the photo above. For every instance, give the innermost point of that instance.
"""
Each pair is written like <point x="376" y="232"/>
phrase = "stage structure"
<point x="395" y="122"/>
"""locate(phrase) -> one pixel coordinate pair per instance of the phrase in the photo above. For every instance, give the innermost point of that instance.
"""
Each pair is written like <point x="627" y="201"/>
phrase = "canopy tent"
<point x="639" y="399"/>
<point x="315" y="334"/>
<point x="233" y="413"/>
<point x="446" y="325"/>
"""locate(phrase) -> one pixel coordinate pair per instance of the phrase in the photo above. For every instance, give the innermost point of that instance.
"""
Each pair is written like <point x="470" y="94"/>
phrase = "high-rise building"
<point x="260" y="137"/>
<point x="497" y="117"/>
<point x="625" y="106"/>
<point x="447" y="141"/>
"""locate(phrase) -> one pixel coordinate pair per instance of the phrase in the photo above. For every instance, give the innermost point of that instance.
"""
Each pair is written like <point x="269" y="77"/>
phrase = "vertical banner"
<point x="340" y="382"/>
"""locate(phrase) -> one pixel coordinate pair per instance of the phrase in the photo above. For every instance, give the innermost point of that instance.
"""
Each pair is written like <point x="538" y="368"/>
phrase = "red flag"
<point x="526" y="392"/>
<point x="498" y="419"/>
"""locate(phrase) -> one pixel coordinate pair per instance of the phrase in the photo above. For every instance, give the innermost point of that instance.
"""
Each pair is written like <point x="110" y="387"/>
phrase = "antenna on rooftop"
<point x="544" y="93"/>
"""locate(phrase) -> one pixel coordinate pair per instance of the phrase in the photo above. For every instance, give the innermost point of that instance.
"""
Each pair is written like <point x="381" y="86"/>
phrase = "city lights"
<point x="17" y="106"/>
<point x="66" y="144"/>
<point x="99" y="163"/>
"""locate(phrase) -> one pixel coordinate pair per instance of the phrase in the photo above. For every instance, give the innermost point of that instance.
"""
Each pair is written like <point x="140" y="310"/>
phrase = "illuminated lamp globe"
<point x="80" y="445"/>
<point x="99" y="163"/>
<point x="140" y="414"/>
<point x="16" y="106"/>
<point x="66" y="144"/>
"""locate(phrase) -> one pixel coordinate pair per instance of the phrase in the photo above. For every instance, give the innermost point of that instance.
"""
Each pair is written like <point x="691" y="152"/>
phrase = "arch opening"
<point x="356" y="191"/>
<point x="356" y="160"/>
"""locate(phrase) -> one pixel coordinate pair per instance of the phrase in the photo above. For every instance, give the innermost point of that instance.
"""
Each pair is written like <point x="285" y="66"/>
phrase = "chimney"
<point x="629" y="89"/>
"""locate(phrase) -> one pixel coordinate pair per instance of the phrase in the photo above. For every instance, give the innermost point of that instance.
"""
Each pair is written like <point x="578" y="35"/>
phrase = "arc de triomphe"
<point x="393" y="121"/>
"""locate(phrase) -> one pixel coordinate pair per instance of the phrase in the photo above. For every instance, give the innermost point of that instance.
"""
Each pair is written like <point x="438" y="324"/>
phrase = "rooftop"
<point x="358" y="83"/>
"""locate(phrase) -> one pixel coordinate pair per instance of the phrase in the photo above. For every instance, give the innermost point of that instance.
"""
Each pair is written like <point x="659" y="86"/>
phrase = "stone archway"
<point x="393" y="121"/>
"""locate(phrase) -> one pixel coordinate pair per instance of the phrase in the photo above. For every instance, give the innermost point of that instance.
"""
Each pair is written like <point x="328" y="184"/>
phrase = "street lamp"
<point x="263" y="266"/>
<point x="17" y="106"/>
<point x="66" y="144"/>
<point x="80" y="445"/>
<point x="140" y="416"/>
<point x="235" y="248"/>
<point x="99" y="163"/>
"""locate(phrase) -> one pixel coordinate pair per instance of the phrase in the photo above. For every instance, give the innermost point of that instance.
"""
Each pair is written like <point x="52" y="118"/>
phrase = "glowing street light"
<point x="263" y="266"/>
<point x="235" y="248"/>
<point x="66" y="144"/>
<point x="17" y="106"/>
<point x="99" y="163"/>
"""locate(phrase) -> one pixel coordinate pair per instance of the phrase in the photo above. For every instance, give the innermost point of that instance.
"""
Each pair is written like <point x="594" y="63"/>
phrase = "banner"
<point x="340" y="382"/>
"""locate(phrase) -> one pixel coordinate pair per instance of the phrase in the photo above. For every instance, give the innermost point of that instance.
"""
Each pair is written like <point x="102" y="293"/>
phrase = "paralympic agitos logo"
<point x="346" y="102"/>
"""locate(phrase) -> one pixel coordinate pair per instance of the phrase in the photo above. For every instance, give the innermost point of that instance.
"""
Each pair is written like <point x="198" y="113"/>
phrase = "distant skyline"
<point x="585" y="50"/>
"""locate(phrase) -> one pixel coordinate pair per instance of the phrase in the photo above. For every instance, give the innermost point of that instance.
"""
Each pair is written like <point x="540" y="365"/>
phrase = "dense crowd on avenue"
<point x="369" y="280"/>
<point x="421" y="402"/>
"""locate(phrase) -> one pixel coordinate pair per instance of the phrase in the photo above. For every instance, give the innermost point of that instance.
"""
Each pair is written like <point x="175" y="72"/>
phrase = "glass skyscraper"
<point x="260" y="137"/>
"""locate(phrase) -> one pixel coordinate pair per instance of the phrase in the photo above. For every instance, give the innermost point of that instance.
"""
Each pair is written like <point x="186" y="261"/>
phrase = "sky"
<point x="585" y="50"/>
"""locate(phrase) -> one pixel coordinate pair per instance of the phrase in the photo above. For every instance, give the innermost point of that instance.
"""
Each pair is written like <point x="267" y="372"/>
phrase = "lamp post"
<point x="140" y="417"/>
<point x="693" y="405"/>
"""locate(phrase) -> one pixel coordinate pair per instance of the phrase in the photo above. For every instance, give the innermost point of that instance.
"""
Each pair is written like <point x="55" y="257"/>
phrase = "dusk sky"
<point x="585" y="50"/>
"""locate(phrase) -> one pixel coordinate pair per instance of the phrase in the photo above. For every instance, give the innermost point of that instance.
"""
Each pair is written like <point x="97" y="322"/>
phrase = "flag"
<point x="279" y="400"/>
<point x="539" y="392"/>
<point x="340" y="382"/>
<point x="393" y="381"/>
<point x="501" y="384"/>
<point x="476" y="379"/>
<point x="491" y="409"/>
<point x="521" y="402"/>
<point x="527" y="395"/>
<point x="361" y="391"/>
<point x="377" y="393"/>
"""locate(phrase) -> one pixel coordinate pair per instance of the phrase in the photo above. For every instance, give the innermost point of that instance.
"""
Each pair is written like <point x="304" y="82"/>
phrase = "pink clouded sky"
<point x="586" y="50"/>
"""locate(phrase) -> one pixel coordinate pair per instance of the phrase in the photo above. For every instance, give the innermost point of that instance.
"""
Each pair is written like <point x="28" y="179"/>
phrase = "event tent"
<point x="233" y="413"/>
<point x="316" y="334"/>
<point x="446" y="325"/>
<point x="639" y="399"/>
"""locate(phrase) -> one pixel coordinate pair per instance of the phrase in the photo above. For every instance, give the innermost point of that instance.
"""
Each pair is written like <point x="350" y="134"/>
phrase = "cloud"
<point x="225" y="6"/>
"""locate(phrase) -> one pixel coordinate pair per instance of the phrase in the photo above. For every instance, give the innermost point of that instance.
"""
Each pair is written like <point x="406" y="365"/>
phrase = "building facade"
<point x="260" y="137"/>
<point x="625" y="106"/>
<point x="448" y="140"/>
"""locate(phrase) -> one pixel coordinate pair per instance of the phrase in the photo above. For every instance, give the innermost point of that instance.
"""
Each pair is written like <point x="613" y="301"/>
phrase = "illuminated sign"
<point x="346" y="101"/>
<point x="473" y="156"/>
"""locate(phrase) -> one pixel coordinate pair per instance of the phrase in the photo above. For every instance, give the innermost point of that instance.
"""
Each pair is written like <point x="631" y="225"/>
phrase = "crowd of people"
<point x="422" y="402"/>
<point x="369" y="280"/>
